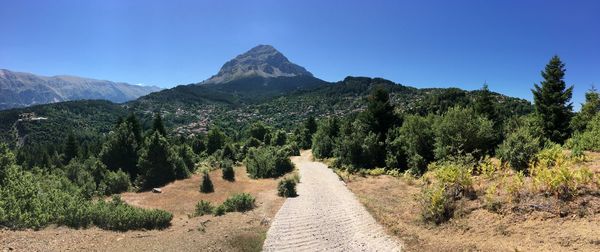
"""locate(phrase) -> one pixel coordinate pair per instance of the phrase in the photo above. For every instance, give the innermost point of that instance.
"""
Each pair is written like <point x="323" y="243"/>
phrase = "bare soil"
<point x="394" y="203"/>
<point x="231" y="232"/>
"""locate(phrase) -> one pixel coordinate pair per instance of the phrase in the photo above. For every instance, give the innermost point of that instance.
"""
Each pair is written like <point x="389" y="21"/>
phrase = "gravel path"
<point x="325" y="216"/>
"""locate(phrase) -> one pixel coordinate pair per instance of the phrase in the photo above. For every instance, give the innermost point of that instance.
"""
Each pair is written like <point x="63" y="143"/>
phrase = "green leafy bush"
<point x="519" y="148"/>
<point x="450" y="181"/>
<point x="241" y="202"/>
<point x="35" y="200"/>
<point x="291" y="150"/>
<point x="418" y="137"/>
<point x="589" y="139"/>
<point x="267" y="162"/>
<point x="116" y="182"/>
<point x="436" y="205"/>
<point x="116" y="215"/>
<point x="219" y="210"/>
<point x="203" y="207"/>
<point x="462" y="131"/>
<point x="207" y="185"/>
<point x="287" y="187"/>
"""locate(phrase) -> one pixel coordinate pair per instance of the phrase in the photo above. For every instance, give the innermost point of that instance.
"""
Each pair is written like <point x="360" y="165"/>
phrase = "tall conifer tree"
<point x="552" y="101"/>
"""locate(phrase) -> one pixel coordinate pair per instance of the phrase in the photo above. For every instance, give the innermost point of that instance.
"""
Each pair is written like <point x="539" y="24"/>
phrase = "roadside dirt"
<point x="394" y="203"/>
<point x="231" y="232"/>
<point x="325" y="216"/>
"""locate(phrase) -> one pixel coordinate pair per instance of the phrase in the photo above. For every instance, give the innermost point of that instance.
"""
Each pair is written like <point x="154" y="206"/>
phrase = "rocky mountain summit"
<point x="261" y="61"/>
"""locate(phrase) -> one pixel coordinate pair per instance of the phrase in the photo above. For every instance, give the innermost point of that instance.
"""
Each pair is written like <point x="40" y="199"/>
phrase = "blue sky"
<point x="417" y="43"/>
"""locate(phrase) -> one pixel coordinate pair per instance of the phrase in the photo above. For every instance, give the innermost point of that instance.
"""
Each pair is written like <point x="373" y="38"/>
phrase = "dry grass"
<point x="527" y="220"/>
<point x="231" y="232"/>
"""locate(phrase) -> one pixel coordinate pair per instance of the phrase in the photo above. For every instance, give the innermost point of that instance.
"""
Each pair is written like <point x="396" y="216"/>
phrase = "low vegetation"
<point x="287" y="186"/>
<point x="267" y="162"/>
<point x="206" y="186"/>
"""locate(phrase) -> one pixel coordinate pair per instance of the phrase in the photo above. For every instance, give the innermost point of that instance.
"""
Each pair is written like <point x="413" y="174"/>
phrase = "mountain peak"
<point x="262" y="61"/>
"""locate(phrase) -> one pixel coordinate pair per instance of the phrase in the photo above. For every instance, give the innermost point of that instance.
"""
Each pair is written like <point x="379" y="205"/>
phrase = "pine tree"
<point x="484" y="104"/>
<point x="158" y="162"/>
<point x="552" y="104"/>
<point x="311" y="125"/>
<point x="158" y="125"/>
<point x="136" y="128"/>
<point x="588" y="110"/>
<point x="380" y="113"/>
<point x="215" y="141"/>
<point x="120" y="151"/>
<point x="207" y="185"/>
<point x="71" y="148"/>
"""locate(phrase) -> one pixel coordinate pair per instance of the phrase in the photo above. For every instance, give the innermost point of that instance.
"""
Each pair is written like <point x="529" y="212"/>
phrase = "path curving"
<point x="325" y="216"/>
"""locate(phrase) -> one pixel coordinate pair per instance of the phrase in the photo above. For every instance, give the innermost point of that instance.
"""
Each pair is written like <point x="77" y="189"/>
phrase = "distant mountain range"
<point x="19" y="89"/>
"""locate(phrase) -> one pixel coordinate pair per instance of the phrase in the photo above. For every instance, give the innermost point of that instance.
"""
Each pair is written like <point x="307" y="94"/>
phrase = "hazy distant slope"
<point x="19" y="89"/>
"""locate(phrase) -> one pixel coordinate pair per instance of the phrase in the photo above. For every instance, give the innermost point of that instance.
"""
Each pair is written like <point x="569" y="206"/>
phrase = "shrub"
<point x="287" y="187"/>
<point x="589" y="139"/>
<point x="116" y="182"/>
<point x="188" y="157"/>
<point x="227" y="170"/>
<point x="455" y="178"/>
<point x="487" y="168"/>
<point x="491" y="200"/>
<point x="219" y="210"/>
<point x="395" y="150"/>
<point x="239" y="203"/>
<point x="207" y="185"/>
<point x="117" y="215"/>
<point x="291" y="150"/>
<point x="35" y="200"/>
<point x="519" y="148"/>
<point x="463" y="131"/>
<point x="377" y="171"/>
<point x="203" y="207"/>
<point x="451" y="181"/>
<point x="267" y="162"/>
<point x="418" y="137"/>
<point x="436" y="206"/>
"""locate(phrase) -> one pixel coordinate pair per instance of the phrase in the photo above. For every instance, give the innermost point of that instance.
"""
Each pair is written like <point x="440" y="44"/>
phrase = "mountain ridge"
<point x="23" y="89"/>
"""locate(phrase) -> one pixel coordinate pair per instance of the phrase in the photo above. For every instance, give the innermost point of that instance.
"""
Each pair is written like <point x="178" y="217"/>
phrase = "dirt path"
<point x="325" y="216"/>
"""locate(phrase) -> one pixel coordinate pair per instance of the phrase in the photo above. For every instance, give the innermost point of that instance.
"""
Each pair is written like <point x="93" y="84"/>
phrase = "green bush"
<point x="451" y="181"/>
<point x="462" y="131"/>
<point x="519" y="148"/>
<point x="203" y="207"/>
<point x="207" y="185"/>
<point x="116" y="182"/>
<point x="287" y="187"/>
<point x="241" y="202"/>
<point x="437" y="206"/>
<point x="589" y="139"/>
<point x="418" y="137"/>
<point x="116" y="215"/>
<point x="227" y="170"/>
<point x="267" y="162"/>
<point x="35" y="200"/>
<point x="219" y="210"/>
<point x="291" y="150"/>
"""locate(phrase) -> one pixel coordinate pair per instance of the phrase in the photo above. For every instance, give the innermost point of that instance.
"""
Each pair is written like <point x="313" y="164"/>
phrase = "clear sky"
<point x="418" y="43"/>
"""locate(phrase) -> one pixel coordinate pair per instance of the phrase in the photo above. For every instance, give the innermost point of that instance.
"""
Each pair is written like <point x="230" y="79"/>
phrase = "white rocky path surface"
<point x="325" y="216"/>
